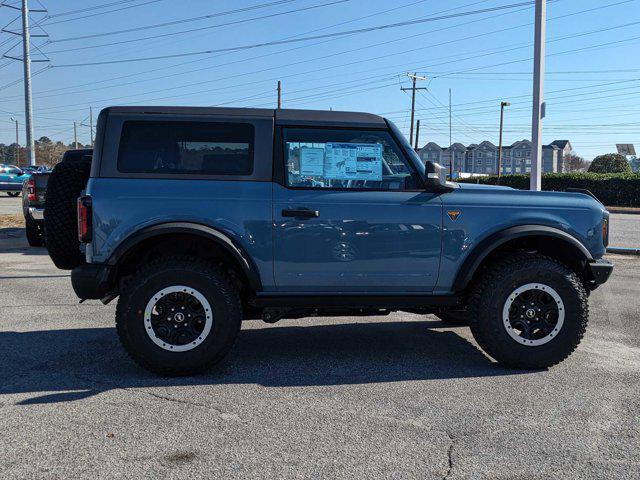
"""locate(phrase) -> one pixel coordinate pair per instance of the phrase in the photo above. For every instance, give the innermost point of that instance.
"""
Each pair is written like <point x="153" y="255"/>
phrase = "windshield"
<point x="415" y="159"/>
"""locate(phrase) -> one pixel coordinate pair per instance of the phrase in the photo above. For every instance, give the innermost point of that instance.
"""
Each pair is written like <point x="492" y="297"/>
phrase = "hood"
<point x="480" y="186"/>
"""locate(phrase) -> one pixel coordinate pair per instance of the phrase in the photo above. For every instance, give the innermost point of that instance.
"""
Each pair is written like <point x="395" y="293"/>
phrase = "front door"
<point x="350" y="216"/>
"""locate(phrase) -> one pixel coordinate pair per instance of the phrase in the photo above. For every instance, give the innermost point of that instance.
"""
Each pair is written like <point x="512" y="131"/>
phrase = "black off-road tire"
<point x="13" y="194"/>
<point x="208" y="279"/>
<point x="66" y="182"/>
<point x="491" y="291"/>
<point x="35" y="232"/>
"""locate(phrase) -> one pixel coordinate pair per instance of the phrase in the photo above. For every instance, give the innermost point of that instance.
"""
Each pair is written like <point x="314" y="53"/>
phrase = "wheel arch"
<point x="551" y="241"/>
<point x="155" y="234"/>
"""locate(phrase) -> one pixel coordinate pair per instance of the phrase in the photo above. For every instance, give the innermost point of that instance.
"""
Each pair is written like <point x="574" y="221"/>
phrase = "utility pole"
<point x="26" y="62"/>
<point x="451" y="154"/>
<point x="502" y="105"/>
<point x="75" y="136"/>
<point x="538" y="94"/>
<point x="91" y="124"/>
<point x="279" y="94"/>
<point x="417" y="135"/>
<point x="414" y="78"/>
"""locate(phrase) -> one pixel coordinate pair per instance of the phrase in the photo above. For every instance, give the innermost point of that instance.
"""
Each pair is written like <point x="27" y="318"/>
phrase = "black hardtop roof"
<point x="282" y="116"/>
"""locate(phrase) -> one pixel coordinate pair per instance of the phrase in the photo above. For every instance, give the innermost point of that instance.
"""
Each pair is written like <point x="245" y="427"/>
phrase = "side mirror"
<point x="435" y="177"/>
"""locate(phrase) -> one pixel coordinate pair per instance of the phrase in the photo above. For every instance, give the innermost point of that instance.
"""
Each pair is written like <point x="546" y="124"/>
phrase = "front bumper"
<point x="92" y="281"/>
<point x="599" y="272"/>
<point x="36" y="213"/>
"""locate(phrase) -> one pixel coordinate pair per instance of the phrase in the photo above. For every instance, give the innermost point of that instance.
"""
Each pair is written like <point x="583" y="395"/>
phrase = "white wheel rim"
<point x="507" y="322"/>
<point x="165" y="345"/>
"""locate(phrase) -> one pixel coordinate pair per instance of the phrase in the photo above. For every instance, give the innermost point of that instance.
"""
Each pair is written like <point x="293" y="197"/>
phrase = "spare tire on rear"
<point x="66" y="182"/>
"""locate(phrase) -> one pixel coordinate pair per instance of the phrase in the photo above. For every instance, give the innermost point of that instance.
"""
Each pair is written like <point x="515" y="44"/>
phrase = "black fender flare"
<point x="485" y="247"/>
<point x="210" y="233"/>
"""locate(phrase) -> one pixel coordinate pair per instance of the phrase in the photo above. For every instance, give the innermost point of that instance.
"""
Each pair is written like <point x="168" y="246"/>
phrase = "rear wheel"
<point x="13" y="194"/>
<point x="178" y="316"/>
<point x="35" y="232"/>
<point x="529" y="311"/>
<point x="66" y="182"/>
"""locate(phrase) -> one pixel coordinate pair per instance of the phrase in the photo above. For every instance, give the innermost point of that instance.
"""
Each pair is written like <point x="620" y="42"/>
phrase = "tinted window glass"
<point x="195" y="148"/>
<point x="354" y="159"/>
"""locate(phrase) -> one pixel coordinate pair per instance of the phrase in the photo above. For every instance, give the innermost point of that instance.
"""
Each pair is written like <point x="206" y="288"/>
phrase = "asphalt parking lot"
<point x="10" y="205"/>
<point x="388" y="397"/>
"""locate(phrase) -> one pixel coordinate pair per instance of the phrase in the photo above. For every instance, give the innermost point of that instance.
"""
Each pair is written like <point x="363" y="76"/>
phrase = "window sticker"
<point x="353" y="161"/>
<point x="312" y="161"/>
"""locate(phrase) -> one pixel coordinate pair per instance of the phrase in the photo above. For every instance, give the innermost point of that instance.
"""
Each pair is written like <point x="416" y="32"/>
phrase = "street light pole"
<point x="17" y="154"/>
<point x="538" y="94"/>
<point x="502" y="105"/>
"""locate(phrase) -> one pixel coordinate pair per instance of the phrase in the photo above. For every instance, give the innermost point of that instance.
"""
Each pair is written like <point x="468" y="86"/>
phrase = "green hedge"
<point x="612" y="189"/>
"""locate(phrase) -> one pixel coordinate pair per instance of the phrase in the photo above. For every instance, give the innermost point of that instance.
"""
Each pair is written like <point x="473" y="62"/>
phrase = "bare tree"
<point x="574" y="163"/>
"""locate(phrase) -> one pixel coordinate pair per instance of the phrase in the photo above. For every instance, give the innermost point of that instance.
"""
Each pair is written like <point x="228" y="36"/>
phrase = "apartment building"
<point x="482" y="158"/>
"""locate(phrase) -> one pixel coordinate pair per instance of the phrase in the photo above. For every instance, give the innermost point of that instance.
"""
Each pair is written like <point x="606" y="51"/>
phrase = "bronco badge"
<point x="453" y="214"/>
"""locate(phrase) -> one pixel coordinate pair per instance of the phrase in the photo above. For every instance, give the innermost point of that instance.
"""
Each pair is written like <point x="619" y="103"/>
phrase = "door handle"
<point x="301" y="213"/>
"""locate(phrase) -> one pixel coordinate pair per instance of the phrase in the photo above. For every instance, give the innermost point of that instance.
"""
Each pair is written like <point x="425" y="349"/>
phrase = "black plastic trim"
<point x="600" y="271"/>
<point x="355" y="301"/>
<point x="489" y="244"/>
<point x="91" y="281"/>
<point x="247" y="265"/>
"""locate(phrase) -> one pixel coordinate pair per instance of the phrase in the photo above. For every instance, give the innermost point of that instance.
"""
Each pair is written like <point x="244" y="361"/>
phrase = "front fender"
<point x="473" y="260"/>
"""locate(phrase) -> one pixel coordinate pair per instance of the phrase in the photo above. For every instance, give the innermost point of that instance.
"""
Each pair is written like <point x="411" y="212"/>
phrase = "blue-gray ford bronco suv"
<point x="198" y="218"/>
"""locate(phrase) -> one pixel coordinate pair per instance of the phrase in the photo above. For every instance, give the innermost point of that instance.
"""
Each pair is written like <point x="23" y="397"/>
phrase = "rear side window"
<point x="191" y="148"/>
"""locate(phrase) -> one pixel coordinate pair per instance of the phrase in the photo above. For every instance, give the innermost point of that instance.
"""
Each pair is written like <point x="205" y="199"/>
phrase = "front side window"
<point x="353" y="159"/>
<point x="192" y="148"/>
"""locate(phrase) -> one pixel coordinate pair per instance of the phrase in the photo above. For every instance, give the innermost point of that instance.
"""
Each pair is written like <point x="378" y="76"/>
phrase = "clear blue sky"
<point x="593" y="94"/>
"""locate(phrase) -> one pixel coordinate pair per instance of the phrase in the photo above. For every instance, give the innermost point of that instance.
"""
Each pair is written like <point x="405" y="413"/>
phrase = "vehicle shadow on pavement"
<point x="13" y="240"/>
<point x="79" y="363"/>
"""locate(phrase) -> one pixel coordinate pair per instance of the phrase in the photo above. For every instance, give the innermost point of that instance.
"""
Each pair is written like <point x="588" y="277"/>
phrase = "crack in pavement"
<point x="449" y="455"/>
<point x="178" y="400"/>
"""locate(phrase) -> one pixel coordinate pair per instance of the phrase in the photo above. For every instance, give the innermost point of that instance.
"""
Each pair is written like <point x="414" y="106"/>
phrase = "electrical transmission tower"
<point x="26" y="62"/>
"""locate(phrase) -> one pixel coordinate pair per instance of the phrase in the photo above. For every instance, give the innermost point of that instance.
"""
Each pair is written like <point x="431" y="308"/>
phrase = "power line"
<point x="108" y="80"/>
<point x="274" y="53"/>
<point x="89" y="9"/>
<point x="104" y="13"/>
<point x="175" y="22"/>
<point x="164" y="35"/>
<point x="304" y="39"/>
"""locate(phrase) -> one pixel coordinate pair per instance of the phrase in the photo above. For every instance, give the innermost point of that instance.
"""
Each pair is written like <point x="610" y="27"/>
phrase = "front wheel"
<point x="178" y="316"/>
<point x="529" y="311"/>
<point x="13" y="194"/>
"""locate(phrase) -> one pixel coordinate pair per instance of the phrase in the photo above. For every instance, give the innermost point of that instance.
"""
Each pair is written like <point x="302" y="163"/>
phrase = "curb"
<point x="624" y="250"/>
<point x="627" y="210"/>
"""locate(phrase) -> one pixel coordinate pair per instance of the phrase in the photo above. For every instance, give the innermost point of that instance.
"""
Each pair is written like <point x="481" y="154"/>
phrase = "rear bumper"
<point x="36" y="213"/>
<point x="91" y="281"/>
<point x="599" y="272"/>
